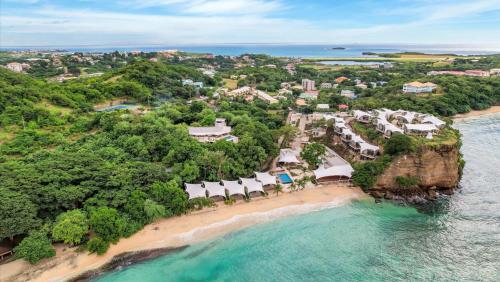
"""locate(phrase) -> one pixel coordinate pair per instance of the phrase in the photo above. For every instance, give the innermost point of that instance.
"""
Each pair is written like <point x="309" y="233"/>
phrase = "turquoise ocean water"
<point x="455" y="239"/>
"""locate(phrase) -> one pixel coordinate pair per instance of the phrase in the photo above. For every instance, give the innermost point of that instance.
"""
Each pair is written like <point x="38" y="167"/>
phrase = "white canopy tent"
<point x="252" y="185"/>
<point x="288" y="156"/>
<point x="334" y="171"/>
<point x="214" y="189"/>
<point x="195" y="191"/>
<point x="420" y="128"/>
<point x="390" y="129"/>
<point x="265" y="178"/>
<point x="234" y="188"/>
<point x="429" y="119"/>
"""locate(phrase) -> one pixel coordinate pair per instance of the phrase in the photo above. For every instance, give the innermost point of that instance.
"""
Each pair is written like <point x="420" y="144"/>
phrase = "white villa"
<point x="213" y="133"/>
<point x="348" y="94"/>
<point x="420" y="129"/>
<point x="308" y="84"/>
<point x="362" y="116"/>
<point x="419" y="87"/>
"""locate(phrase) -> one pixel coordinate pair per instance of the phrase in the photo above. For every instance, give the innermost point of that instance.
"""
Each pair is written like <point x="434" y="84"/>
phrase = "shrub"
<point x="365" y="174"/>
<point x="406" y="182"/>
<point x="108" y="223"/>
<point x="71" y="227"/>
<point x="399" y="144"/>
<point x="35" y="247"/>
<point x="97" y="245"/>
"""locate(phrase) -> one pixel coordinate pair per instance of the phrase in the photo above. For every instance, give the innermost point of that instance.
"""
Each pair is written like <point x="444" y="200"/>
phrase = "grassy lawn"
<point x="231" y="84"/>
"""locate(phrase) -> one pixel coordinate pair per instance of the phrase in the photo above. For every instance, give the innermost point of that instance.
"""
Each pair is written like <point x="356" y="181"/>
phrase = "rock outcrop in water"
<point x="420" y="176"/>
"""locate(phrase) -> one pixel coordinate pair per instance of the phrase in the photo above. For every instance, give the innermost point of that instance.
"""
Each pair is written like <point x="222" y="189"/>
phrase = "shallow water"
<point x="455" y="239"/>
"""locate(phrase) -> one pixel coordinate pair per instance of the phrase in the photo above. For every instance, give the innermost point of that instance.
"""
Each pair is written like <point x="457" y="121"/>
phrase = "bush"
<point x="406" y="182"/>
<point x="71" y="227"/>
<point x="399" y="144"/>
<point x="97" y="245"/>
<point x="35" y="247"/>
<point x="365" y="174"/>
<point x="108" y="223"/>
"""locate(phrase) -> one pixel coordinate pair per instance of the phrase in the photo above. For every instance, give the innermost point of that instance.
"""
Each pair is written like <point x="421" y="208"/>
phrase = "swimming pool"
<point x="285" y="178"/>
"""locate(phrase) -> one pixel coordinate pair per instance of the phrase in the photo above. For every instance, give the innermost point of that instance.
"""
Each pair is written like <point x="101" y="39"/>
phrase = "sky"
<point x="171" y="22"/>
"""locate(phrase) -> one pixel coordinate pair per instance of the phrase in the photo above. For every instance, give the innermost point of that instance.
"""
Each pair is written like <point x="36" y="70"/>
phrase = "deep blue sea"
<point x="455" y="239"/>
<point x="289" y="50"/>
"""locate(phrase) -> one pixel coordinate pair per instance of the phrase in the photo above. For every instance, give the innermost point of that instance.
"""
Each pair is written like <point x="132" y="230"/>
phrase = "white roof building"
<point x="323" y="107"/>
<point x="234" y="188"/>
<point x="266" y="97"/>
<point x="265" y="178"/>
<point x="212" y="133"/>
<point x="241" y="91"/>
<point x="334" y="171"/>
<point x="421" y="129"/>
<point x="253" y="185"/>
<point x="214" y="189"/>
<point x="429" y="119"/>
<point x="195" y="191"/>
<point x="288" y="156"/>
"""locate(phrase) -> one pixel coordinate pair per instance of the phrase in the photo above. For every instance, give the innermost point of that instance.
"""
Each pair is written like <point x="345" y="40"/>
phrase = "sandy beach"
<point x="181" y="231"/>
<point x="492" y="110"/>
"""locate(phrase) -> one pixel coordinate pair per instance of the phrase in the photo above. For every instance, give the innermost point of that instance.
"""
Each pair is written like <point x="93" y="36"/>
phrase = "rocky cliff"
<point x="420" y="175"/>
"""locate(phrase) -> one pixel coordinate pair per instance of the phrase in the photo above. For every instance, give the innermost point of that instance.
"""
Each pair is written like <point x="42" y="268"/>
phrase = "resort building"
<point x="196" y="191"/>
<point x="420" y="129"/>
<point x="285" y="91"/>
<point x="266" y="97"/>
<point x="419" y="87"/>
<point x="241" y="91"/>
<point x="362" y="116"/>
<point x="234" y="188"/>
<point x="348" y="94"/>
<point x="300" y="102"/>
<point x="387" y="128"/>
<point x="495" y="72"/>
<point x="288" y="156"/>
<point x="309" y="95"/>
<point x="252" y="185"/>
<point x="189" y="82"/>
<point x="323" y="107"/>
<point x="341" y="79"/>
<point x="325" y="85"/>
<point x="285" y="85"/>
<point x="213" y="133"/>
<point x="308" y="85"/>
<point x="333" y="168"/>
<point x="265" y="178"/>
<point x="214" y="189"/>
<point x="430" y="119"/>
<point x="362" y="86"/>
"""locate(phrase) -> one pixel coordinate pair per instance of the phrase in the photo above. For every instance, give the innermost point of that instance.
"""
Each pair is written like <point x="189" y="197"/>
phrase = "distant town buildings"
<point x="325" y="85"/>
<point x="348" y="94"/>
<point x="17" y="67"/>
<point x="341" y="79"/>
<point x="189" y="82"/>
<point x="308" y="85"/>
<point x="495" y="72"/>
<point x="419" y="87"/>
<point x="475" y="73"/>
<point x="361" y="86"/>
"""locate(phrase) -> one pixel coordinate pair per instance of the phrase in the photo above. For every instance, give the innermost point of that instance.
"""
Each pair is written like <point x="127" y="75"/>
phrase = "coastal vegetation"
<point x="87" y="178"/>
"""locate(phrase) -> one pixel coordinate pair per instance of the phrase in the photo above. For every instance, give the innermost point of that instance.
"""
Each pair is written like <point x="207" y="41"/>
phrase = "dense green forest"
<point x="114" y="170"/>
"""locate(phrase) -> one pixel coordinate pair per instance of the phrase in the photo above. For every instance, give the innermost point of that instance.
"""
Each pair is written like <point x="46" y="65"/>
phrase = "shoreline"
<point x="179" y="232"/>
<point x="473" y="114"/>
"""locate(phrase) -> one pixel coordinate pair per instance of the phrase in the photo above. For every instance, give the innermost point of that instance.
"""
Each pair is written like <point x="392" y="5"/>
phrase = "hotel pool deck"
<point x="285" y="178"/>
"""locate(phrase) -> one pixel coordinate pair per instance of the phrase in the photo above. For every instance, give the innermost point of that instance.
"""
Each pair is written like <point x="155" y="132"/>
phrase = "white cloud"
<point x="212" y="7"/>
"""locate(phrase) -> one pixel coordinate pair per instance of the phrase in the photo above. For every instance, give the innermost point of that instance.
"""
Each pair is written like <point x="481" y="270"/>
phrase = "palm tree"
<point x="278" y="188"/>
<point x="293" y="187"/>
